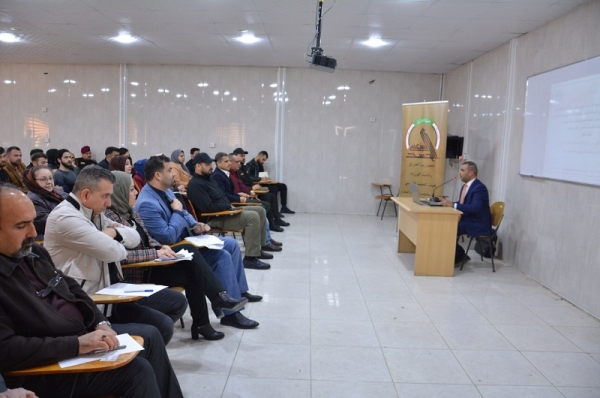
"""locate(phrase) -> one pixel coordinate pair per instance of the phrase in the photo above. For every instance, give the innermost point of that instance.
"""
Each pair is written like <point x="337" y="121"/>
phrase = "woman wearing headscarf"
<point x="195" y="275"/>
<point x="45" y="197"/>
<point x="121" y="163"/>
<point x="180" y="170"/>
<point x="138" y="174"/>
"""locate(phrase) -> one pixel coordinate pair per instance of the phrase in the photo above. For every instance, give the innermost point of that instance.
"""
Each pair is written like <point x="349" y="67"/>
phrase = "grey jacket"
<point x="80" y="249"/>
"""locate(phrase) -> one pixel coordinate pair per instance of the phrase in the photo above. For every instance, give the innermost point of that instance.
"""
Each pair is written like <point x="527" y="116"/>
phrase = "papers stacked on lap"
<point x="208" y="241"/>
<point x="182" y="255"/>
<point x="130" y="289"/>
<point x="124" y="339"/>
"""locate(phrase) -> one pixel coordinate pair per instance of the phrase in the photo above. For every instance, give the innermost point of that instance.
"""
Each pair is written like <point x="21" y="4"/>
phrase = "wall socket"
<point x="44" y="109"/>
<point x="372" y="119"/>
<point x="212" y="145"/>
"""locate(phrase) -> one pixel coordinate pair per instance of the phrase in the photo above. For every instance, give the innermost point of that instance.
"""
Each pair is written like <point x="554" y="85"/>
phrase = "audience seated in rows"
<point x="121" y="163"/>
<point x="32" y="154"/>
<point x="167" y="221"/>
<point x="66" y="173"/>
<point x="66" y="322"/>
<point x="15" y="167"/>
<point x="256" y="166"/>
<point x="190" y="163"/>
<point x="109" y="153"/>
<point x="87" y="246"/>
<point x="139" y="177"/>
<point x="3" y="174"/>
<point x="207" y="197"/>
<point x="86" y="158"/>
<point x="43" y="194"/>
<point x="181" y="173"/>
<point x="269" y="200"/>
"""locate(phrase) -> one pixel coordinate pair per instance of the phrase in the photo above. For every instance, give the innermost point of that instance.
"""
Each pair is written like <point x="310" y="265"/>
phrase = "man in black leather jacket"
<point x="46" y="317"/>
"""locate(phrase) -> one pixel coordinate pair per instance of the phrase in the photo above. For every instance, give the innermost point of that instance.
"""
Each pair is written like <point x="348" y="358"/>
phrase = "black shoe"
<point x="274" y="242"/>
<point x="218" y="311"/>
<point x="207" y="332"/>
<point x="282" y="223"/>
<point x="279" y="215"/>
<point x="255" y="263"/>
<point x="271" y="248"/>
<point x="239" y="321"/>
<point x="265" y="256"/>
<point x="252" y="298"/>
<point x="464" y="259"/>
<point x="275" y="228"/>
<point x="286" y="210"/>
<point x="229" y="303"/>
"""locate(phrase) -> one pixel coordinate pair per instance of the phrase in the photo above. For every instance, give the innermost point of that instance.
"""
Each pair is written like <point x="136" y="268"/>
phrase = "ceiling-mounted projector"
<point x="322" y="62"/>
<point x="318" y="60"/>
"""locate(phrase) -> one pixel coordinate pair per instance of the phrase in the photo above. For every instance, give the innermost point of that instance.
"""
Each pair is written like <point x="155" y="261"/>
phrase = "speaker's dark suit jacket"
<point x="476" y="219"/>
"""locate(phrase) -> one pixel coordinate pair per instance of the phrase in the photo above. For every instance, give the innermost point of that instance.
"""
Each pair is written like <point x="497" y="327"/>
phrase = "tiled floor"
<point x="344" y="316"/>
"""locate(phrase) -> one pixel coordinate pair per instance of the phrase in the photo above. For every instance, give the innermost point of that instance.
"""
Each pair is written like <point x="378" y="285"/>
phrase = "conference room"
<point x="343" y="313"/>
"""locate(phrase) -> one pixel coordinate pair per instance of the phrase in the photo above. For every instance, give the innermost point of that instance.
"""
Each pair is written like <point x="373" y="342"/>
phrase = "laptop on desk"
<point x="414" y="190"/>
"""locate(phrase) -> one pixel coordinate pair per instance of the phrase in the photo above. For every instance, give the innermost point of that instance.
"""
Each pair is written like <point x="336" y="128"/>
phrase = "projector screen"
<point x="562" y="124"/>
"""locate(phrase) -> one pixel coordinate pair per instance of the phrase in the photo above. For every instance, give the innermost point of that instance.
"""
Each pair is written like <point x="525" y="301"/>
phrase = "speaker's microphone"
<point x="433" y="193"/>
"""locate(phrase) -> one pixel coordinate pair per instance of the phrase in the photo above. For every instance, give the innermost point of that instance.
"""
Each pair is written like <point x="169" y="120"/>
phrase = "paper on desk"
<point x="124" y="339"/>
<point x="130" y="289"/>
<point x="182" y="255"/>
<point x="208" y="241"/>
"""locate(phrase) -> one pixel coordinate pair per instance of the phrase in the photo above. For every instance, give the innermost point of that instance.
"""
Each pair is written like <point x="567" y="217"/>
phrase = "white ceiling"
<point x="430" y="36"/>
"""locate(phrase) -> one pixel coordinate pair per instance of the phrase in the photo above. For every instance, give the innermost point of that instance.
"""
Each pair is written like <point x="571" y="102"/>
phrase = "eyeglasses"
<point x="45" y="179"/>
<point x="51" y="285"/>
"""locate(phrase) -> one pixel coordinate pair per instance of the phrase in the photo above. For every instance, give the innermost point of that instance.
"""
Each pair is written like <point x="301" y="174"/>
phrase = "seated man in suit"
<point x="168" y="223"/>
<point x="88" y="247"/>
<point x="256" y="166"/>
<point x="268" y="199"/>
<point x="474" y="202"/>
<point x="207" y="197"/>
<point x="46" y="317"/>
<point x="109" y="153"/>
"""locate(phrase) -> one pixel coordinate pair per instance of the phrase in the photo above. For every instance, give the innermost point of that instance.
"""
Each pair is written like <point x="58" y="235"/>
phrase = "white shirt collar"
<point x="225" y="171"/>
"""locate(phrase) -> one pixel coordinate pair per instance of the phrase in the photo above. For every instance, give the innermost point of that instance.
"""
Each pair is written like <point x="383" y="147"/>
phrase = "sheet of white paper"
<point x="262" y="174"/>
<point x="209" y="241"/>
<point x="130" y="289"/>
<point x="182" y="255"/>
<point x="124" y="339"/>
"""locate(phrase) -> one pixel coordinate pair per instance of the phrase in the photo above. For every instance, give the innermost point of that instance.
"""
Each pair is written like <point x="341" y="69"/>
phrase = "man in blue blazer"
<point x="474" y="202"/>
<point x="168" y="223"/>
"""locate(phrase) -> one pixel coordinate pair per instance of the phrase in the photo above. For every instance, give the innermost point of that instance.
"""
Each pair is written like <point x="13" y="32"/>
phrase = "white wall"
<point x="328" y="154"/>
<point x="550" y="230"/>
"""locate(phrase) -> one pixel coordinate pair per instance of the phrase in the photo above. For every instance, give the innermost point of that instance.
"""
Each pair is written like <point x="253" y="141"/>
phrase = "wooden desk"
<point x="268" y="182"/>
<point x="95" y="366"/>
<point x="259" y="191"/>
<point x="430" y="233"/>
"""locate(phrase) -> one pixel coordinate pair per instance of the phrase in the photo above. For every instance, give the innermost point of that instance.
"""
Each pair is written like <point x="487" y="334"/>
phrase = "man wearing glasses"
<point x="46" y="317"/>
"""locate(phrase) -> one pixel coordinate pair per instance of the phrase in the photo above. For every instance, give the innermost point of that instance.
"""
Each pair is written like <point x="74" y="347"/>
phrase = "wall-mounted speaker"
<point x="454" y="146"/>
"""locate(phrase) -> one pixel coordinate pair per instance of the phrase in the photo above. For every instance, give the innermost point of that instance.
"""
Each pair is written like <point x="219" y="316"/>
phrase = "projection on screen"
<point x="562" y="124"/>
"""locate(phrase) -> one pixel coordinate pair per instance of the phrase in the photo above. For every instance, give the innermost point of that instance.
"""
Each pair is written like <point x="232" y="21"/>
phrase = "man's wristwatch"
<point x="107" y="323"/>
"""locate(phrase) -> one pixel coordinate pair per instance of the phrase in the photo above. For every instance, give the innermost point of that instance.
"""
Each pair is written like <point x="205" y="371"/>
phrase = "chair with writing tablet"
<point x="90" y="367"/>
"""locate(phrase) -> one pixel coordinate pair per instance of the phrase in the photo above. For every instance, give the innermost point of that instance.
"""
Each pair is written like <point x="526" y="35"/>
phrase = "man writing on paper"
<point x="474" y="203"/>
<point x="88" y="247"/>
<point x="46" y="317"/>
